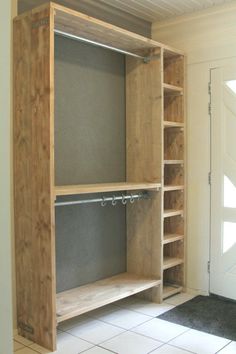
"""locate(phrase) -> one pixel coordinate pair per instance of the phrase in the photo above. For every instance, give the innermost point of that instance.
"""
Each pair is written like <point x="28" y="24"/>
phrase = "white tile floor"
<point x="129" y="327"/>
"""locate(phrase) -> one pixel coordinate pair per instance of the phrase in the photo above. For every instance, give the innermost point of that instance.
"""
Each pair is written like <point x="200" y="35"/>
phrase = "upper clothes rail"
<point x="77" y="24"/>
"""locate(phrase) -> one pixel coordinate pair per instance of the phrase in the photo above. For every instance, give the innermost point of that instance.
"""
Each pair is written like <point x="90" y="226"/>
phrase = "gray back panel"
<point x="89" y="148"/>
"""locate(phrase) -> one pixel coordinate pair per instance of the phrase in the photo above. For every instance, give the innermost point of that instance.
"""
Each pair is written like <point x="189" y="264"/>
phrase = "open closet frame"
<point x="39" y="308"/>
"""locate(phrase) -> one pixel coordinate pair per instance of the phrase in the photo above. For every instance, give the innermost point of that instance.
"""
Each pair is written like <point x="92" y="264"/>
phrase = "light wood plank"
<point x="89" y="297"/>
<point x="33" y="174"/>
<point x="104" y="187"/>
<point x="170" y="262"/>
<point x="170" y="124"/>
<point x="173" y="162"/>
<point x="169" y="238"/>
<point x="172" y="89"/>
<point x="173" y="188"/>
<point x="172" y="212"/>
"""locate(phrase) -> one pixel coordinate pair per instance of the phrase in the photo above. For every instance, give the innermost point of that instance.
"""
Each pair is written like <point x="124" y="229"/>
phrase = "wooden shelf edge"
<point x="170" y="290"/>
<point x="172" y="89"/>
<point x="173" y="188"/>
<point x="169" y="238"/>
<point x="172" y="212"/>
<point x="104" y="187"/>
<point x="170" y="262"/>
<point x="173" y="162"/>
<point x="170" y="124"/>
<point x="88" y="297"/>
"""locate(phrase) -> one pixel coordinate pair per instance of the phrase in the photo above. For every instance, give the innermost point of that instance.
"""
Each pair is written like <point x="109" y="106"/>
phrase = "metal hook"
<point x="114" y="201"/>
<point x="124" y="201"/>
<point x="131" y="198"/>
<point x="103" y="203"/>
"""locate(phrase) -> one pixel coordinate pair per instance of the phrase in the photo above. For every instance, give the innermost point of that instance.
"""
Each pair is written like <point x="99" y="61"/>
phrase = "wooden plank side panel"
<point x="33" y="166"/>
<point x="144" y="154"/>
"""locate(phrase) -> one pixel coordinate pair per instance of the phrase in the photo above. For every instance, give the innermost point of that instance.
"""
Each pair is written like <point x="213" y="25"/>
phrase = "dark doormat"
<point x="209" y="314"/>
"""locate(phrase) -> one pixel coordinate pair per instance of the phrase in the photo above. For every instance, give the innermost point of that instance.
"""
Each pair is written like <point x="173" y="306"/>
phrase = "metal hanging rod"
<point x="98" y="44"/>
<point x="104" y="200"/>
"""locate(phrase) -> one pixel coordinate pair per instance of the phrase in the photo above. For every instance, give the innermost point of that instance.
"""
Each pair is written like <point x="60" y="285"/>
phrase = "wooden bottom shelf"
<point x="170" y="262"/>
<point x="88" y="297"/>
<point x="171" y="289"/>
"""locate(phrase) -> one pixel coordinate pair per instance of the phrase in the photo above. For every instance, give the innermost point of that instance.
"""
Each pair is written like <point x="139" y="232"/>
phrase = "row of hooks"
<point x="124" y="199"/>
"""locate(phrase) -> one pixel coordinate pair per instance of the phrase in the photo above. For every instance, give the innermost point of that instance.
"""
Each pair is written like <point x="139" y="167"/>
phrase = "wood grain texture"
<point x="88" y="297"/>
<point x="173" y="175"/>
<point x="144" y="156"/>
<point x="105" y="187"/>
<point x="173" y="71"/>
<point x="174" y="108"/>
<point x="173" y="144"/>
<point x="33" y="174"/>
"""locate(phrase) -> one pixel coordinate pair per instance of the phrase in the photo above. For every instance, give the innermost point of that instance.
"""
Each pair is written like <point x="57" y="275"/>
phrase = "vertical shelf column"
<point x="143" y="163"/>
<point x="173" y="197"/>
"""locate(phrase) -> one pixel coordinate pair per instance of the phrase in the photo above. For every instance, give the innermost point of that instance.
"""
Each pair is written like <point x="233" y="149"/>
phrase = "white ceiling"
<point x="158" y="10"/>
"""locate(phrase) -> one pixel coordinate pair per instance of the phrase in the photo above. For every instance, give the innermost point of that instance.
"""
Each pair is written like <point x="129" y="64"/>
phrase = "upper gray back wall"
<point x="97" y="9"/>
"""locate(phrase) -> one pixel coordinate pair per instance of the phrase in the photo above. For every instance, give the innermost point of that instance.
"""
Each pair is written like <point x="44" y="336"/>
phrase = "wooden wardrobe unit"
<point x="154" y="163"/>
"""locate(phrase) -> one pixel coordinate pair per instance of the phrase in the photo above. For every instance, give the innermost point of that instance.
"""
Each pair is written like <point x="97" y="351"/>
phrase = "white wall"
<point x="6" y="10"/>
<point x="209" y="40"/>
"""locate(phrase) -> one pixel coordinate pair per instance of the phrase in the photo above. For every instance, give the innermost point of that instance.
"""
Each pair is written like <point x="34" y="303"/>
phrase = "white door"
<point x="223" y="182"/>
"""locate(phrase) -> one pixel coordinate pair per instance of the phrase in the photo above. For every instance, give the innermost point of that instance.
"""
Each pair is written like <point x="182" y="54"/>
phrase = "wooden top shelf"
<point x="172" y="90"/>
<point x="170" y="262"/>
<point x="169" y="124"/>
<point x="93" y="29"/>
<point x="88" y="297"/>
<point x="104" y="187"/>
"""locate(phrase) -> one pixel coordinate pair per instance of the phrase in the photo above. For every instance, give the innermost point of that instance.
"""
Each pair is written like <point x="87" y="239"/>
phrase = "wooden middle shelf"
<point x="173" y="188"/>
<point x="172" y="212"/>
<point x="170" y="124"/>
<point x="104" y="187"/>
<point x="172" y="89"/>
<point x="88" y="297"/>
<point x="173" y="162"/>
<point x="168" y="238"/>
<point x="170" y="262"/>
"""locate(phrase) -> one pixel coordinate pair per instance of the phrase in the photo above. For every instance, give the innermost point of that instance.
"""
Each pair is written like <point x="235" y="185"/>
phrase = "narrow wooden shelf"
<point x="173" y="162"/>
<point x="172" y="212"/>
<point x="169" y="124"/>
<point x="171" y="53"/>
<point x="173" y="188"/>
<point x="172" y="90"/>
<point x="88" y="297"/>
<point x="104" y="187"/>
<point x="170" y="262"/>
<point x="171" y="289"/>
<point x="169" y="238"/>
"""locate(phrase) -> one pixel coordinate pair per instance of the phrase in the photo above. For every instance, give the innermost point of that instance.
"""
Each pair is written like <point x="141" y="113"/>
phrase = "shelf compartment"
<point x="170" y="262"/>
<point x="173" y="144"/>
<point x="172" y="212"/>
<point x="171" y="289"/>
<point x="88" y="297"/>
<point x="169" y="238"/>
<point x="170" y="124"/>
<point x="173" y="175"/>
<point x="174" y="70"/>
<point x="104" y="187"/>
<point x="174" y="108"/>
<point x="173" y="188"/>
<point x="172" y="90"/>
